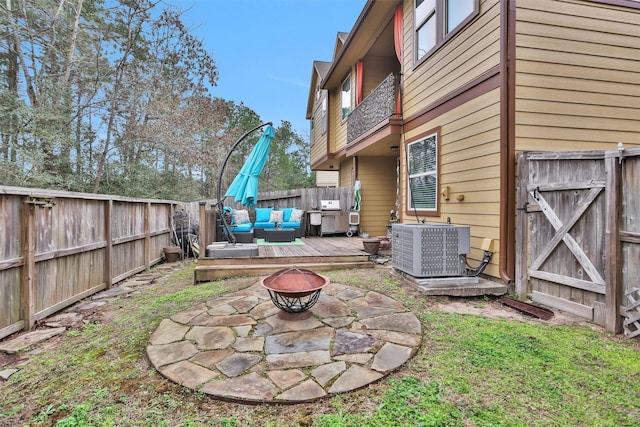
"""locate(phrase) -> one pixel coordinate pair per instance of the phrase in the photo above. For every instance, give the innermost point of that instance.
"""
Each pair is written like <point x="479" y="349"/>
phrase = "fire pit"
<point x="294" y="290"/>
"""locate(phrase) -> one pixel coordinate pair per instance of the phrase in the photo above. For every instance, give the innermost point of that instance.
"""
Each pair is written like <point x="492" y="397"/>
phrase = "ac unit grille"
<point x="430" y="250"/>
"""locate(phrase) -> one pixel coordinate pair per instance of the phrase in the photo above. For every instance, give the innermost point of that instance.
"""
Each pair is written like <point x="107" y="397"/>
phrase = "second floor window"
<point x="436" y="19"/>
<point x="346" y="97"/>
<point x="323" y="113"/>
<point x="423" y="173"/>
<point x="311" y="137"/>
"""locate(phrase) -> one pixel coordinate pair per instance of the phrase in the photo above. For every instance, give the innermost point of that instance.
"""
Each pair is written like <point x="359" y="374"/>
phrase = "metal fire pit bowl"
<point x="294" y="290"/>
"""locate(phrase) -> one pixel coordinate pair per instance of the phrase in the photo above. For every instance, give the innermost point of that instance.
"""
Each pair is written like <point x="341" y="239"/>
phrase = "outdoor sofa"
<point x="284" y="218"/>
<point x="265" y="219"/>
<point x="239" y="224"/>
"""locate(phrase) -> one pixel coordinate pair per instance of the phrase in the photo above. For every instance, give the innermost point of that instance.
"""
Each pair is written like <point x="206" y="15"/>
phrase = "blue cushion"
<point x="290" y="224"/>
<point x="264" y="224"/>
<point x="286" y="213"/>
<point x="262" y="214"/>
<point x="242" y="228"/>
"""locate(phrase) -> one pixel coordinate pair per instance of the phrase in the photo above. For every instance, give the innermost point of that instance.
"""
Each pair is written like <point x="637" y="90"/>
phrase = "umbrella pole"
<point x="220" y="202"/>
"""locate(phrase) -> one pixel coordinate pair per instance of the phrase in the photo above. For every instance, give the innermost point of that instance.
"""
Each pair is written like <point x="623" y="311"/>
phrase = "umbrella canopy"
<point x="244" y="188"/>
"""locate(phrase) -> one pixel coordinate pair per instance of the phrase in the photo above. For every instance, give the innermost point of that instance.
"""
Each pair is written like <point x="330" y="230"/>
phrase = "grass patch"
<point x="470" y="371"/>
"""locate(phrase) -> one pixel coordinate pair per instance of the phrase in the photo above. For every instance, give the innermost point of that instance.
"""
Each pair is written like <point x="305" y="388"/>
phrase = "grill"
<point x="330" y="205"/>
<point x="334" y="220"/>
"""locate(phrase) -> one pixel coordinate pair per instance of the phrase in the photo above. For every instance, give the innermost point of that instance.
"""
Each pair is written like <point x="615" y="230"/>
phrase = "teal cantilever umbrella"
<point x="244" y="188"/>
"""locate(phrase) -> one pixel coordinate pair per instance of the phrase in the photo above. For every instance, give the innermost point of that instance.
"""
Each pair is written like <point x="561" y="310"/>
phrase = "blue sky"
<point x="264" y="49"/>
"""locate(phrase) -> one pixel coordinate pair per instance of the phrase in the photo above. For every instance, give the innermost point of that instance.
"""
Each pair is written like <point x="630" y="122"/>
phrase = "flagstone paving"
<point x="241" y="347"/>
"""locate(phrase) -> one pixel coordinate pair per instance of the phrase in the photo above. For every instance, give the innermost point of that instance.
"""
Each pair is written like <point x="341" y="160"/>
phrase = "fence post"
<point x="613" y="250"/>
<point x="108" y="210"/>
<point x="28" y="243"/>
<point x="522" y="226"/>
<point x="147" y="236"/>
<point x="203" y="230"/>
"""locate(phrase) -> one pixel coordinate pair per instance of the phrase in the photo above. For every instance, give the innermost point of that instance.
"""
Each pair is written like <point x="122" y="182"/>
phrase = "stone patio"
<point x="240" y="347"/>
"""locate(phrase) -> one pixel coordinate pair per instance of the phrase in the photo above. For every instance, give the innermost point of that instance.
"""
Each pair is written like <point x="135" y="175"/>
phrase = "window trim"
<point x="324" y="100"/>
<point x="409" y="211"/>
<point x="312" y="130"/>
<point x="441" y="38"/>
<point x="343" y="117"/>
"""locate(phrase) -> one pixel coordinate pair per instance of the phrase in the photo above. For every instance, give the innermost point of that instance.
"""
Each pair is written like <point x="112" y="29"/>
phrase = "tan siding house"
<point x="493" y="77"/>
<point x="578" y="75"/>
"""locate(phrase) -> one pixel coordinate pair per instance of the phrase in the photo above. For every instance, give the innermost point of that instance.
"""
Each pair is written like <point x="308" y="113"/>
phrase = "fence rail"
<point x="60" y="247"/>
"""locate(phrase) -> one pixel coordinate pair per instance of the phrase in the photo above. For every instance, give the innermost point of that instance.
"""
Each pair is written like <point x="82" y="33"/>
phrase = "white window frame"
<point x="431" y="23"/>
<point x="425" y="167"/>
<point x="323" y="112"/>
<point x="345" y="98"/>
<point x="312" y="129"/>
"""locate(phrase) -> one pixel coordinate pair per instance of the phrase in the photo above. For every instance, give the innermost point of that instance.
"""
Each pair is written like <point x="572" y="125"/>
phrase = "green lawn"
<point x="469" y="371"/>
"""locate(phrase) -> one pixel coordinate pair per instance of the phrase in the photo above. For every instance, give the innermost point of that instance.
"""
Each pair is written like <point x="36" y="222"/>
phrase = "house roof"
<point x="373" y="19"/>
<point x="319" y="71"/>
<point x="340" y="40"/>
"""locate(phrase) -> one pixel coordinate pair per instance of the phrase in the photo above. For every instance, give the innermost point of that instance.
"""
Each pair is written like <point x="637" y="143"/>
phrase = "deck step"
<point x="207" y="273"/>
<point x="281" y="260"/>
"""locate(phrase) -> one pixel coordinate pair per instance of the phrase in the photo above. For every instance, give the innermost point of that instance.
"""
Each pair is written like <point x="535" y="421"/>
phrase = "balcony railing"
<point x="377" y="107"/>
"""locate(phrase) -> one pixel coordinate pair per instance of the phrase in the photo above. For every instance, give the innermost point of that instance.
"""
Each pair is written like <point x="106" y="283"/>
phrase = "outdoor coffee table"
<point x="285" y="235"/>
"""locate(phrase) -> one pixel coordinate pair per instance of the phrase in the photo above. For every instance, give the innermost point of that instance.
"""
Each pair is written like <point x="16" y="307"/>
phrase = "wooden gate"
<point x="562" y="205"/>
<point x="578" y="234"/>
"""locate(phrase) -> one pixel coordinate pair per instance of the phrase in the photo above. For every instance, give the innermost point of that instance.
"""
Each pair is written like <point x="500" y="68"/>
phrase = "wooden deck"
<point x="317" y="253"/>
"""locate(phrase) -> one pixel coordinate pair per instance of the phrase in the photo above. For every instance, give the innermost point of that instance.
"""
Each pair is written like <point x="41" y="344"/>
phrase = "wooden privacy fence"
<point x="307" y="199"/>
<point x="57" y="248"/>
<point x="578" y="234"/>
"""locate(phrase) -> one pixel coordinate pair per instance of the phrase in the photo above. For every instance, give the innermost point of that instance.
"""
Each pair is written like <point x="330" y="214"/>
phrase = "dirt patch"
<point x="496" y="310"/>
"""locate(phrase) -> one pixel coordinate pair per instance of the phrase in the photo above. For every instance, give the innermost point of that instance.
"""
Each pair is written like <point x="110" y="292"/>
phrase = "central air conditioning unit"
<point x="430" y="250"/>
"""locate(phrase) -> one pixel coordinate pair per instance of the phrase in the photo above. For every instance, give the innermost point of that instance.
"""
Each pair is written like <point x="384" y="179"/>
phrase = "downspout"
<point x="507" y="141"/>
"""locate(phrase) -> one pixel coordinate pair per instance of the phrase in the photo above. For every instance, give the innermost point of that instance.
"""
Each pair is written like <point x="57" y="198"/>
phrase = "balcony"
<point x="376" y="108"/>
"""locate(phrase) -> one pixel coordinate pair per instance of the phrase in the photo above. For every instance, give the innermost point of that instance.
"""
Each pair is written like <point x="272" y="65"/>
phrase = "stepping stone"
<point x="390" y="357"/>
<point x="298" y="360"/>
<point x="167" y="332"/>
<point x="186" y="316"/>
<point x="249" y="344"/>
<point x="188" y="374"/>
<point x="360" y="358"/>
<point x="331" y="307"/>
<point x="297" y="342"/>
<point x="237" y="363"/>
<point x="29" y="339"/>
<point x="401" y="322"/>
<point x="89" y="305"/>
<point x="234" y="320"/>
<point x="136" y="283"/>
<point x="210" y="358"/>
<point x="286" y="378"/>
<point x="6" y="374"/>
<point x="308" y="390"/>
<point x="325" y="373"/>
<point x="211" y="338"/>
<point x="251" y="387"/>
<point x="113" y="292"/>
<point x="166" y="354"/>
<point x="66" y="320"/>
<point x="354" y="378"/>
<point x="349" y="342"/>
